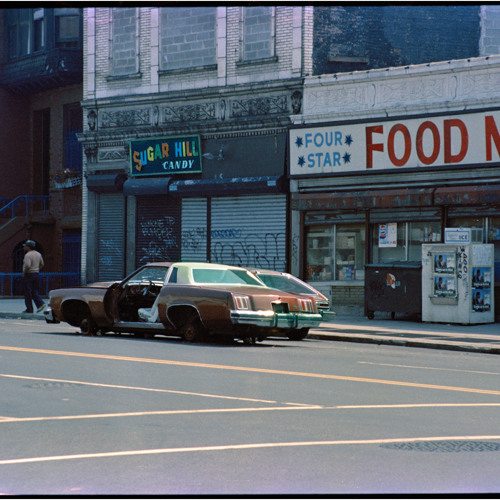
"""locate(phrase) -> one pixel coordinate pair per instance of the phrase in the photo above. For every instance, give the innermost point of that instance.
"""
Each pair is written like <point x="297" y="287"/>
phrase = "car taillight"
<point x="306" y="305"/>
<point x="241" y="302"/>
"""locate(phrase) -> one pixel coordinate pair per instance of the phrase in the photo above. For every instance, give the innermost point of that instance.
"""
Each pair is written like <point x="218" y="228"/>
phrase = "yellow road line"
<point x="254" y="370"/>
<point x="249" y="446"/>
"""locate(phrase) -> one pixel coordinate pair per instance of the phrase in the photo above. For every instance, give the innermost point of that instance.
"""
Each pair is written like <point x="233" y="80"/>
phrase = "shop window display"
<point x="335" y="253"/>
<point x="476" y="224"/>
<point x="494" y="237"/>
<point x="402" y="241"/>
<point x="422" y="232"/>
<point x="389" y="242"/>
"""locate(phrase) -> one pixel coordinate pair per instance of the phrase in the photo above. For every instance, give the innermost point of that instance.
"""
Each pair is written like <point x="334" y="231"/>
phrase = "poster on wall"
<point x="444" y="286"/>
<point x="481" y="289"/>
<point x="481" y="300"/>
<point x="388" y="235"/>
<point x="481" y="277"/>
<point x="444" y="263"/>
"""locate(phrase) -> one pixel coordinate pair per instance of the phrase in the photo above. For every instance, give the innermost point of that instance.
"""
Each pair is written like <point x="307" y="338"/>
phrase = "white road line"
<point x="5" y="419"/>
<point x="94" y="384"/>
<point x="249" y="446"/>
<point x="428" y="368"/>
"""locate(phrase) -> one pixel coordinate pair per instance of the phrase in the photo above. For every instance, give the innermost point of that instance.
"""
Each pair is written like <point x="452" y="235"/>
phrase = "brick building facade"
<point x="40" y="94"/>
<point x="239" y="105"/>
<point x="227" y="78"/>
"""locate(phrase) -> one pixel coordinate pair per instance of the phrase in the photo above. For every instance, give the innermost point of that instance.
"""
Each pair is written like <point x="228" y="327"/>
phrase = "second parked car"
<point x="289" y="283"/>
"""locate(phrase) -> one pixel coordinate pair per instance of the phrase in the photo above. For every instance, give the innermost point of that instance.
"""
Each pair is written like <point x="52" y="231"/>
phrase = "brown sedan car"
<point x="190" y="300"/>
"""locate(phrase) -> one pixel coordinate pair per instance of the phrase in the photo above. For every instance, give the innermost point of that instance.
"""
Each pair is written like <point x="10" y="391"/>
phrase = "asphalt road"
<point x="119" y="415"/>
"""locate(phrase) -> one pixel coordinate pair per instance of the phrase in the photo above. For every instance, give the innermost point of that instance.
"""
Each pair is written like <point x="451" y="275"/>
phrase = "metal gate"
<point x="194" y="230"/>
<point x="157" y="229"/>
<point x="111" y="237"/>
<point x="249" y="231"/>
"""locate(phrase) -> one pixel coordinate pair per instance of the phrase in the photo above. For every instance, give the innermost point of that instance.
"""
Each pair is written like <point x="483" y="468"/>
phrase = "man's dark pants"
<point x="31" y="287"/>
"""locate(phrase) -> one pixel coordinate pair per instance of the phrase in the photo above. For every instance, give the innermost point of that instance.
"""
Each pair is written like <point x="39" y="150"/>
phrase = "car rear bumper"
<point x="269" y="319"/>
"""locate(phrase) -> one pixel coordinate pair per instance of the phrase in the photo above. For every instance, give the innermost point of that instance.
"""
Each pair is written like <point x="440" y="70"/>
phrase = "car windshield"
<point x="284" y="283"/>
<point x="156" y="274"/>
<point x="225" y="276"/>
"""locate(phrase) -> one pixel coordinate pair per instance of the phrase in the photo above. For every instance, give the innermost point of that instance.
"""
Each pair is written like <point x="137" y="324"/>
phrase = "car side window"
<point x="173" y="276"/>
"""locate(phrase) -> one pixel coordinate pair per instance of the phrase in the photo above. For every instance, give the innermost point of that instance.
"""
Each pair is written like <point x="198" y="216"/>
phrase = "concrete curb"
<point x="422" y="343"/>
<point x="38" y="316"/>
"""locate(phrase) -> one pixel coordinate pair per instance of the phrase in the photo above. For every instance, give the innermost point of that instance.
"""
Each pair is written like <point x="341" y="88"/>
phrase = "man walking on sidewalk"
<point x="32" y="263"/>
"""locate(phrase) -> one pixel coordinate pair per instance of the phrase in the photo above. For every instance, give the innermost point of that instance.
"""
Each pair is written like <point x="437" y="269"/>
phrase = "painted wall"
<point x="357" y="38"/>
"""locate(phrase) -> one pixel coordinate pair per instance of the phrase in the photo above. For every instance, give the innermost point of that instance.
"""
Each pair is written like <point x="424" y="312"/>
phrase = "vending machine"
<point x="457" y="280"/>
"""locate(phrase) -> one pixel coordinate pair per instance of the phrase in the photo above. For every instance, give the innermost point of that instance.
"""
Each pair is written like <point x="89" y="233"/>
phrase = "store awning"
<point x="234" y="185"/>
<point x="467" y="195"/>
<point x="146" y="186"/>
<point x="106" y="183"/>
<point x="363" y="200"/>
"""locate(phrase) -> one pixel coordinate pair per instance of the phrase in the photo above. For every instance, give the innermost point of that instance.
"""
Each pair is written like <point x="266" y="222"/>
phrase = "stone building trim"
<point x="427" y="88"/>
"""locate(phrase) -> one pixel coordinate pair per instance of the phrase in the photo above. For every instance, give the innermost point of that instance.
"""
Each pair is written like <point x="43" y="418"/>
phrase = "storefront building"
<point x="187" y="205"/>
<point x="186" y="116"/>
<point x="383" y="161"/>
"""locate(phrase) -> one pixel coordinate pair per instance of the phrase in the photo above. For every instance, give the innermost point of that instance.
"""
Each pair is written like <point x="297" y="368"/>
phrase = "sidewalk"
<point x="400" y="331"/>
<point x="380" y="330"/>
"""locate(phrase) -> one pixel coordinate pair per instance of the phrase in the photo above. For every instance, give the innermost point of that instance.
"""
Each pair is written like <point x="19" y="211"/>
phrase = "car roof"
<point x="266" y="271"/>
<point x="209" y="265"/>
<point x="198" y="265"/>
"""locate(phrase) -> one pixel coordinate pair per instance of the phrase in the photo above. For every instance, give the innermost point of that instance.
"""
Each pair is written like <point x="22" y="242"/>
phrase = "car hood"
<point x="101" y="284"/>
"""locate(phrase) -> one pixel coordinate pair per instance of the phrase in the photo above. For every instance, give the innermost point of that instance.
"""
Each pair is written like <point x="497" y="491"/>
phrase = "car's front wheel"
<point x="88" y="326"/>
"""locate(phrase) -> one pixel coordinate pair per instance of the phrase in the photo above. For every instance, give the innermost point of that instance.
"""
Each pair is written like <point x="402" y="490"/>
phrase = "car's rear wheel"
<point x="298" y="334"/>
<point x="192" y="330"/>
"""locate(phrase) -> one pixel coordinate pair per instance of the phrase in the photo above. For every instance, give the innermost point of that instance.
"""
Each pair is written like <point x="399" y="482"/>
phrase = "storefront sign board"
<point x="165" y="156"/>
<point x="461" y="139"/>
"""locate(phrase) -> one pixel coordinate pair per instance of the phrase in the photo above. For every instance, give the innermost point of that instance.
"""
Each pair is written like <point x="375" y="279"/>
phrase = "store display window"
<point x="494" y="237"/>
<point x="475" y="224"/>
<point x="389" y="242"/>
<point x="402" y="241"/>
<point x="335" y="252"/>
<point x="422" y="232"/>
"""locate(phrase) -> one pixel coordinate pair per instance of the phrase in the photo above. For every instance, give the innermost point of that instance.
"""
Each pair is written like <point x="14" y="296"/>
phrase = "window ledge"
<point x="131" y="76"/>
<point x="194" y="69"/>
<point x="253" y="62"/>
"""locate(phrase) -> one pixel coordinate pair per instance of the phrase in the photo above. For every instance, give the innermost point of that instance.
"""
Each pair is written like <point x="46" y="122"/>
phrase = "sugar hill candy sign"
<point x="165" y="155"/>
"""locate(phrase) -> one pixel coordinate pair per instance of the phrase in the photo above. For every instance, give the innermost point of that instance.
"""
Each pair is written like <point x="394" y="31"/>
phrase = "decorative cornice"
<point x="454" y="85"/>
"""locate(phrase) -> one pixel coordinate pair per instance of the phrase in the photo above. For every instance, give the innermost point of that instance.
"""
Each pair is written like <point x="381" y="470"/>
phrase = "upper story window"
<point x="28" y="31"/>
<point x="67" y="24"/>
<point x="258" y="33"/>
<point x="188" y="37"/>
<point x="38" y="29"/>
<point x="124" y="41"/>
<point x="19" y="27"/>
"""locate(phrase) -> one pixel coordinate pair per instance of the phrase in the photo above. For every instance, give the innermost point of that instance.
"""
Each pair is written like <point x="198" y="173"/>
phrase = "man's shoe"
<point x="41" y="308"/>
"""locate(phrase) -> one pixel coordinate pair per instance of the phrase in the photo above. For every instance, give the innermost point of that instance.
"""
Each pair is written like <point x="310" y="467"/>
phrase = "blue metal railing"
<point x="29" y="201"/>
<point x="11" y="284"/>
